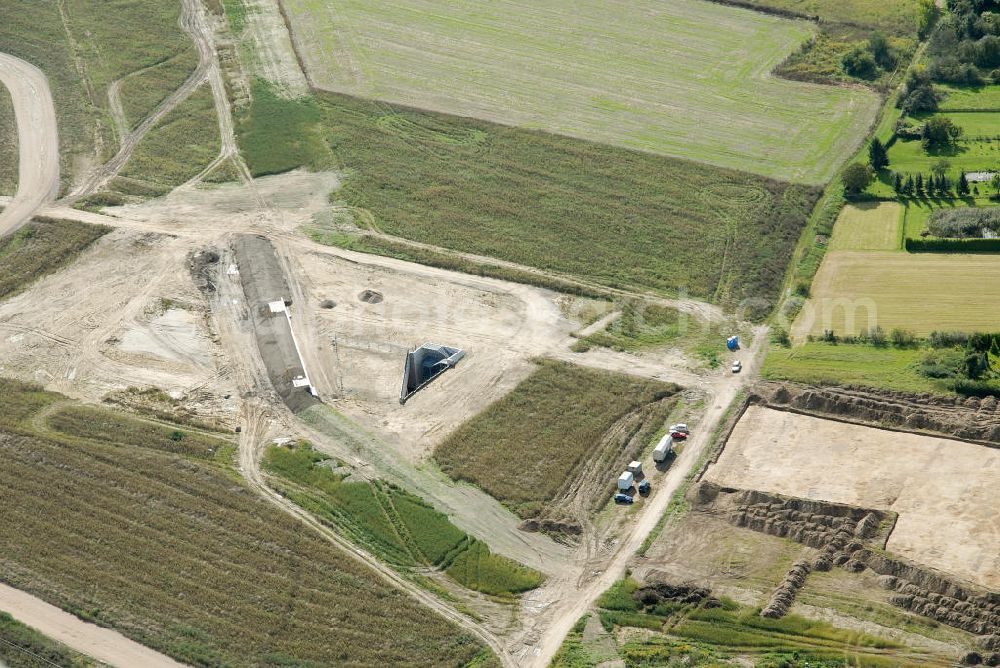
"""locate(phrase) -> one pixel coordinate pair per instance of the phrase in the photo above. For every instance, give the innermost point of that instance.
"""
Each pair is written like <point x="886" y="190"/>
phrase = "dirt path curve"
<point x="194" y="23"/>
<point x="564" y="613"/>
<point x="99" y="643"/>
<point x="38" y="141"/>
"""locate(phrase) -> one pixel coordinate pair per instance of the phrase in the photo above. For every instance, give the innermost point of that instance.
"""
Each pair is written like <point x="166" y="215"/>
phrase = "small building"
<point x="625" y="480"/>
<point x="635" y="468"/>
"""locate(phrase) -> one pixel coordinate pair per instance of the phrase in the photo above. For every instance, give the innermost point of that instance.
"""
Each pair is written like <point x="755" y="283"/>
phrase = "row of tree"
<point x="933" y="184"/>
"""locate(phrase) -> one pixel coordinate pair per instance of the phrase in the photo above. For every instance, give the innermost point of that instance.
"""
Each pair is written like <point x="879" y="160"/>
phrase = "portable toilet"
<point x="733" y="343"/>
<point x="663" y="449"/>
<point x="625" y="480"/>
<point x="635" y="468"/>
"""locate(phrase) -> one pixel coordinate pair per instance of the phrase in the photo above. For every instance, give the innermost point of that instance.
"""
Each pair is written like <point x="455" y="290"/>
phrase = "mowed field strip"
<point x="868" y="226"/>
<point x="920" y="292"/>
<point x="684" y="78"/>
<point x="942" y="489"/>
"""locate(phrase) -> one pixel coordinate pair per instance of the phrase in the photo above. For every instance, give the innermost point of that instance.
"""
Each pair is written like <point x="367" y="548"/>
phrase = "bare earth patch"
<point x="942" y="489"/>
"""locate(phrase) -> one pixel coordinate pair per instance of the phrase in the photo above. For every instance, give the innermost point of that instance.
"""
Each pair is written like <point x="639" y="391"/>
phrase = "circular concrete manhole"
<point x="370" y="296"/>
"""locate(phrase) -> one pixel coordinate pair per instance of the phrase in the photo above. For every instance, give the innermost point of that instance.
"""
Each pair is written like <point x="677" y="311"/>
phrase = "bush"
<point x="859" y="62"/>
<point x="947" y="339"/>
<point x="857" y="177"/>
<point x="903" y="338"/>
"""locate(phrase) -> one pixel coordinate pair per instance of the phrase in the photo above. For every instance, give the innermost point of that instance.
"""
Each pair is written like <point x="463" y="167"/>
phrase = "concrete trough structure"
<point x="267" y="295"/>
<point x="424" y="365"/>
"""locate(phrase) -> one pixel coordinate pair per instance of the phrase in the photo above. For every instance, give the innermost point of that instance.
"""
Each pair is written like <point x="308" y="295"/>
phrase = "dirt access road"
<point x="38" y="141"/>
<point x="576" y="598"/>
<point x="102" y="644"/>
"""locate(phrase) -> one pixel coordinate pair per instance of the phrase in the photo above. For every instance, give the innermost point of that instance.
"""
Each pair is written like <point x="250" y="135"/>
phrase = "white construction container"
<point x="635" y="468"/>
<point x="663" y="449"/>
<point x="625" y="480"/>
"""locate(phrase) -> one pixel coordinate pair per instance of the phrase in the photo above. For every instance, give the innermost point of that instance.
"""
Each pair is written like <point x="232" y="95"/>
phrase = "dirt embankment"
<point x="853" y="538"/>
<point x="968" y="419"/>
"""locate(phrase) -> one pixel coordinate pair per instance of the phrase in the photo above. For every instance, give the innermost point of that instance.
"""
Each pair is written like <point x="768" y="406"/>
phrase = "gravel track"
<point x="38" y="141"/>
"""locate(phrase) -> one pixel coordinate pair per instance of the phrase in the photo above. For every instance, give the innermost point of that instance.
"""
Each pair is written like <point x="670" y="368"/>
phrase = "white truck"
<point x="663" y="449"/>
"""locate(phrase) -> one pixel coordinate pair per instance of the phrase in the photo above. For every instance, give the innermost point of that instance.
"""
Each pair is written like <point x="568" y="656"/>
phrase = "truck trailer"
<point x="663" y="449"/>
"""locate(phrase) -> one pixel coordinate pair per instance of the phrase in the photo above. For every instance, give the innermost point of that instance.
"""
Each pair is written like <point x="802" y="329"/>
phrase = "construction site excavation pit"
<point x="942" y="489"/>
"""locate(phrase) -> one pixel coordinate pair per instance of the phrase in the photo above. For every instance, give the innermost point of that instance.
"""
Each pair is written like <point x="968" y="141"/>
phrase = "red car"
<point x="678" y="435"/>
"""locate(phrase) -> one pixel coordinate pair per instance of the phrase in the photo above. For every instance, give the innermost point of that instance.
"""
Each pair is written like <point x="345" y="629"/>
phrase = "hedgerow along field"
<point x="236" y="583"/>
<point x="686" y="78"/>
<point x="524" y="447"/>
<point x="731" y="634"/>
<point x="596" y="212"/>
<point x="396" y="525"/>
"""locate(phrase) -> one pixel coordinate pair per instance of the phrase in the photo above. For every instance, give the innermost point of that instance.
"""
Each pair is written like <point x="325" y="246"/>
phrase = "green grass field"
<point x="868" y="226"/>
<point x="919" y="292"/>
<point x="180" y="146"/>
<point x="845" y="364"/>
<point x="40" y="248"/>
<point x="597" y="71"/>
<point x="24" y="647"/>
<point x="525" y="446"/>
<point x="979" y="98"/>
<point x="399" y="527"/>
<point x="615" y="217"/>
<point x="236" y="582"/>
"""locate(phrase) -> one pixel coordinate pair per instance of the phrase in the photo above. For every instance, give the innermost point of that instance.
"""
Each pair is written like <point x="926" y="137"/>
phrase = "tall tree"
<point x="918" y="185"/>
<point x="857" y="177"/>
<point x="878" y="158"/>
<point x="897" y="183"/>
<point x="963" y="184"/>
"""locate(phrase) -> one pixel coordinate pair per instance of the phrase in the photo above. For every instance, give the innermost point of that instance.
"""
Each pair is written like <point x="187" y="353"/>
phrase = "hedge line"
<point x="953" y="245"/>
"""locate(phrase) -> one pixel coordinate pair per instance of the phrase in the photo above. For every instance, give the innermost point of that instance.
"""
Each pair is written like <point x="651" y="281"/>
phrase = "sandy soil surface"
<point x="273" y="56"/>
<point x="358" y="349"/>
<point x="102" y="644"/>
<point x="942" y="489"/>
<point x="90" y="329"/>
<point x="38" y="141"/>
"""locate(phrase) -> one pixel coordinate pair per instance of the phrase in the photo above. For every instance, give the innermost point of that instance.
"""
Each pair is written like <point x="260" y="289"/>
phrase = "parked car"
<point x="623" y="498"/>
<point x="681" y="427"/>
<point x="644" y="488"/>
<point x="678" y="435"/>
<point x="737" y="366"/>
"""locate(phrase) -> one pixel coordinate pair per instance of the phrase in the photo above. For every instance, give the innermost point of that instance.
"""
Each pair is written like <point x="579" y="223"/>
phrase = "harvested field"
<point x="595" y="71"/>
<point x="526" y="447"/>
<point x="922" y="293"/>
<point x="868" y="226"/>
<point x="587" y="210"/>
<point x="941" y="488"/>
<point x="236" y="582"/>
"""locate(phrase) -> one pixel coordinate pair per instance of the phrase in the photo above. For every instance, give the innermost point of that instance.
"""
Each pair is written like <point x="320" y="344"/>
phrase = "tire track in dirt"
<point x="38" y="141"/>
<point x="194" y="23"/>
